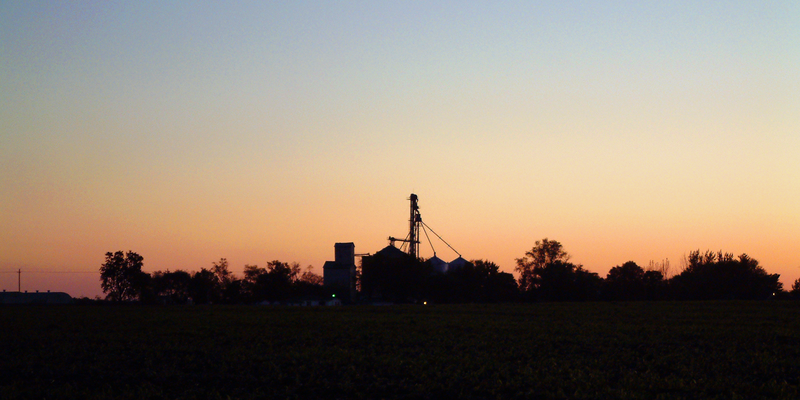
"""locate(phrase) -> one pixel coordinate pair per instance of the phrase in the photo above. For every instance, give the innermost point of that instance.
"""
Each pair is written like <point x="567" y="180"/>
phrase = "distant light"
<point x="424" y="303"/>
<point x="333" y="295"/>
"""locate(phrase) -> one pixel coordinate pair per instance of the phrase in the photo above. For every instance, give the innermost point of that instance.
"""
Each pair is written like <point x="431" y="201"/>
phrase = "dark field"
<point x="656" y="350"/>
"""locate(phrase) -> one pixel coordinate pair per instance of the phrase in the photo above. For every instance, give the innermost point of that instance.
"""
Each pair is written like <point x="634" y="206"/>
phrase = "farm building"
<point x="339" y="275"/>
<point x="398" y="274"/>
<point x="390" y="275"/>
<point x="35" y="298"/>
<point x="393" y="274"/>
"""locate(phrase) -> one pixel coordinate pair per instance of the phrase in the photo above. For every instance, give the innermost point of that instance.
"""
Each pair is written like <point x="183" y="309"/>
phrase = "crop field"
<point x="680" y="350"/>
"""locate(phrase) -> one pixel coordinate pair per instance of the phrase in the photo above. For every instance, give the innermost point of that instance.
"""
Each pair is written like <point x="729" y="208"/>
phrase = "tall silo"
<point x="339" y="275"/>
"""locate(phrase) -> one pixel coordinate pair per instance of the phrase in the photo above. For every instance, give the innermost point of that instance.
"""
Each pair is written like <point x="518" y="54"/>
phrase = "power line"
<point x="50" y="272"/>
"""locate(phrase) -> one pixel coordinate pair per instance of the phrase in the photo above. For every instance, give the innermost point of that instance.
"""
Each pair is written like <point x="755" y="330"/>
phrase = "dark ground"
<point x="667" y="350"/>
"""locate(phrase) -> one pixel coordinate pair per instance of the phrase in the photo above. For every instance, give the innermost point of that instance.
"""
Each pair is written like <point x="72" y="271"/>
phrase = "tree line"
<point x="545" y="273"/>
<point x="122" y="279"/>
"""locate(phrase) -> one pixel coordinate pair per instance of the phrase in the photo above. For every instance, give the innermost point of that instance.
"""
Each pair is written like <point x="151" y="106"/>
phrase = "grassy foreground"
<point x="722" y="350"/>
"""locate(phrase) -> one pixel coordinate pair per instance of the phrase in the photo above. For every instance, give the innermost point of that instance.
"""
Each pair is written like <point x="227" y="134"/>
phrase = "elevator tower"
<point x="414" y="222"/>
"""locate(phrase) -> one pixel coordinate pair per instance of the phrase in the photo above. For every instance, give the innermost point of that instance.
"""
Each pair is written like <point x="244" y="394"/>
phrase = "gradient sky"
<point x="258" y="130"/>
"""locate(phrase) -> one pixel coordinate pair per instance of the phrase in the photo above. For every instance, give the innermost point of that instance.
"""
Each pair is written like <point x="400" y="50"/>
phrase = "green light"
<point x="334" y="295"/>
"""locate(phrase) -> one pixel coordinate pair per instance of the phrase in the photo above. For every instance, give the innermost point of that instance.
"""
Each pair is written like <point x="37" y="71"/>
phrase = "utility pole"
<point x="19" y="280"/>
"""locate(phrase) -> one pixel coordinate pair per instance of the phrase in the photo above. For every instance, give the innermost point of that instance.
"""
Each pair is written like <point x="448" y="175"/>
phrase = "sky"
<point x="260" y="131"/>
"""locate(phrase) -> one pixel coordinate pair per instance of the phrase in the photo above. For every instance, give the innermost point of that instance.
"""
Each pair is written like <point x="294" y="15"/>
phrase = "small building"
<point x="339" y="276"/>
<point x="35" y="298"/>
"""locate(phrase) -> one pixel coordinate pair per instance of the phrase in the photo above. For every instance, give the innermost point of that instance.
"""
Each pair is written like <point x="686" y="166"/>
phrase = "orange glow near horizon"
<point x="71" y="270"/>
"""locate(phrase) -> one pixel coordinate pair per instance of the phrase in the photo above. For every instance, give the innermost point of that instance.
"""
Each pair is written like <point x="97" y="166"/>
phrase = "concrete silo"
<point x="339" y="275"/>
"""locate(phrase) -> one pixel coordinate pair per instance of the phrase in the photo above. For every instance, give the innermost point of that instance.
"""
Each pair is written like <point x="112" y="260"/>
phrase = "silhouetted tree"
<point x="204" y="287"/>
<point x="719" y="275"/>
<point x="250" y="281"/>
<point x="310" y="285"/>
<point x="233" y="292"/>
<point x="631" y="282"/>
<point x="478" y="281"/>
<point x="279" y="279"/>
<point x="795" y="292"/>
<point x="121" y="276"/>
<point x="543" y="252"/>
<point x="274" y="283"/>
<point x="496" y="286"/>
<point x="221" y="271"/>
<point x="173" y="285"/>
<point x="663" y="268"/>
<point x="588" y="285"/>
<point x="655" y="286"/>
<point x="625" y="282"/>
<point x="310" y="277"/>
<point x="564" y="281"/>
<point x="503" y="288"/>
<point x="229" y="289"/>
